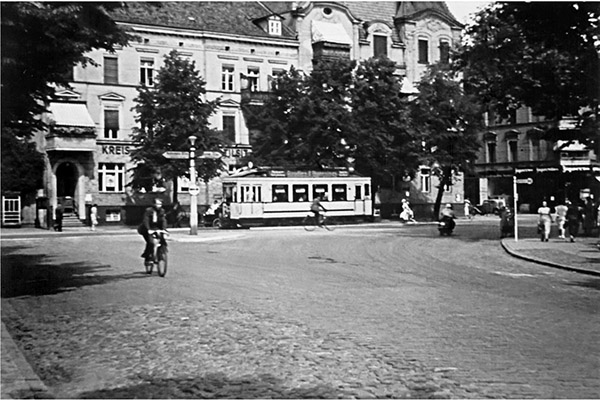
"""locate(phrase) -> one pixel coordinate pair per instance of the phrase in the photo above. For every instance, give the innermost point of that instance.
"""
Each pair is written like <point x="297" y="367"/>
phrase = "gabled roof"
<point x="231" y="17"/>
<point x="413" y="9"/>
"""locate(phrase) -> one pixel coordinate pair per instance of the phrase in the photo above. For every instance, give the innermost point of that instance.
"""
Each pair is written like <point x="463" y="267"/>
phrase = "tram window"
<point x="320" y="190"/>
<point x="358" y="192"/>
<point x="257" y="193"/>
<point x="280" y="193"/>
<point x="339" y="192"/>
<point x="367" y="190"/>
<point x="300" y="192"/>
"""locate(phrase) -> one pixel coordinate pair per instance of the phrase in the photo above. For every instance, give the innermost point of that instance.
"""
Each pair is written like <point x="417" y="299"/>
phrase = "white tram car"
<point x="267" y="196"/>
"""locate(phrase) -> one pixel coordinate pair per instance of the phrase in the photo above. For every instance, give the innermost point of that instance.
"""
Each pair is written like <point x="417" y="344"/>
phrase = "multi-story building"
<point x="238" y="47"/>
<point x="547" y="156"/>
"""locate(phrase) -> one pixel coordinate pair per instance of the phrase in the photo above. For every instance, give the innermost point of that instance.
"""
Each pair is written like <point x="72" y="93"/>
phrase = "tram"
<point x="270" y="196"/>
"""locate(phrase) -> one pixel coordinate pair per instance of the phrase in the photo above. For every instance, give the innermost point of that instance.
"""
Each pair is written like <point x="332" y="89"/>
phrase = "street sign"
<point x="194" y="190"/>
<point x="526" y="181"/>
<point x="211" y="154"/>
<point x="176" y="155"/>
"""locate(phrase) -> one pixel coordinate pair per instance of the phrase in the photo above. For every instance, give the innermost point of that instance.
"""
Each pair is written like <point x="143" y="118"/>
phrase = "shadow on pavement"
<point x="588" y="283"/>
<point x="216" y="385"/>
<point x="32" y="275"/>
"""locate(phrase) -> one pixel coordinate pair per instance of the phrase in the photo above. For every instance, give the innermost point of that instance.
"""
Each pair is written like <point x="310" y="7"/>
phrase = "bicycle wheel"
<point x="328" y="223"/>
<point x="161" y="264"/>
<point x="309" y="223"/>
<point x="149" y="266"/>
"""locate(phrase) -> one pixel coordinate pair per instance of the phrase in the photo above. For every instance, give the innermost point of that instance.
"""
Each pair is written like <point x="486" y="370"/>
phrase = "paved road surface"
<point x="363" y="312"/>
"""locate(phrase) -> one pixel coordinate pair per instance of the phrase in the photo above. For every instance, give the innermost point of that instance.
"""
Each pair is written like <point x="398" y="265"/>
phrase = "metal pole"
<point x="515" y="198"/>
<point x="193" y="192"/>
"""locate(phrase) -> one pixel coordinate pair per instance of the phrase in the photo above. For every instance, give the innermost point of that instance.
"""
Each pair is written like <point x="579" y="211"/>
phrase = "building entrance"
<point x="66" y="183"/>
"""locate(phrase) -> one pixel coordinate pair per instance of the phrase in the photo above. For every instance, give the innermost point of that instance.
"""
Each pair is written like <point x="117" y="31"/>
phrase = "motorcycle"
<point x="446" y="226"/>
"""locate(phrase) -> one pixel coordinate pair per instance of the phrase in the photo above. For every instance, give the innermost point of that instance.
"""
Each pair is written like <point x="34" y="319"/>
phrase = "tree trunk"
<point x="175" y="190"/>
<point x="445" y="180"/>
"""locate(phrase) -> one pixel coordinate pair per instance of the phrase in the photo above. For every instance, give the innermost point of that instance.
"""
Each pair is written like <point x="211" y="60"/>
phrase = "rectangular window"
<point x="379" y="46"/>
<point x="111" y="70"/>
<point x="425" y="175"/>
<point x="227" y="78"/>
<point x="367" y="190"/>
<point x="111" y="177"/>
<point x="513" y="151"/>
<point x="299" y="192"/>
<point x="491" y="152"/>
<point x="274" y="27"/>
<point x="111" y="124"/>
<point x="147" y="72"/>
<point x="253" y="76"/>
<point x="444" y="52"/>
<point x="229" y="127"/>
<point x="276" y="74"/>
<point x="280" y="193"/>
<point x="339" y="192"/>
<point x="423" y="51"/>
<point x="535" y="150"/>
<point x="113" y="215"/>
<point x="320" y="190"/>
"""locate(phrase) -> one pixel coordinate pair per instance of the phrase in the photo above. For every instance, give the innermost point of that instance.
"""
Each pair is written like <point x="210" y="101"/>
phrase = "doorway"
<point x="66" y="184"/>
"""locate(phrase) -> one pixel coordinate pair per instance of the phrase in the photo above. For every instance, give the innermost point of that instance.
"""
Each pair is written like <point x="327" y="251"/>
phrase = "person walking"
<point x="507" y="222"/>
<point x="573" y="217"/>
<point x="544" y="221"/>
<point x="93" y="217"/>
<point x="407" y="214"/>
<point x="58" y="221"/>
<point x="468" y="209"/>
<point x="561" y="219"/>
<point x="588" y="217"/>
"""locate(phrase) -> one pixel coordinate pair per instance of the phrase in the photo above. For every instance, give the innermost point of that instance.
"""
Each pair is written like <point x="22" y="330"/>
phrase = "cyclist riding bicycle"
<point x="155" y="218"/>
<point x="316" y="208"/>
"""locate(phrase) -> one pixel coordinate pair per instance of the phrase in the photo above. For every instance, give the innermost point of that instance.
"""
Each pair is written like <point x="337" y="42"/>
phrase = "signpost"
<point x="194" y="190"/>
<point x="176" y="155"/>
<point x="211" y="155"/>
<point x="524" y="181"/>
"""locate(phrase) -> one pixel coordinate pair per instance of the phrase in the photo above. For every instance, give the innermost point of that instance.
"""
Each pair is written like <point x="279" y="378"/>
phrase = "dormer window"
<point x="275" y="26"/>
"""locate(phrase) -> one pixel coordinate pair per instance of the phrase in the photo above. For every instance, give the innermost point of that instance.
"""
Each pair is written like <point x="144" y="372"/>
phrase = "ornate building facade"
<point x="238" y="47"/>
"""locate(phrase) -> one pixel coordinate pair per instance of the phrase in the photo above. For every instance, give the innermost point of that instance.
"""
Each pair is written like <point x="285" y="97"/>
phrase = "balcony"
<point x="71" y="139"/>
<point x="255" y="98"/>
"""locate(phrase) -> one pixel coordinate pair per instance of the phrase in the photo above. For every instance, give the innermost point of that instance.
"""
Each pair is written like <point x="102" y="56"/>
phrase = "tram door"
<point x="359" y="203"/>
<point x="251" y="200"/>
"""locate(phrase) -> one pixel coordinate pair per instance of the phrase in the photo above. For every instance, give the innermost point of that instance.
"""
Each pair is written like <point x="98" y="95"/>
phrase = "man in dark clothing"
<point x="155" y="218"/>
<point x="59" y="218"/>
<point x="573" y="219"/>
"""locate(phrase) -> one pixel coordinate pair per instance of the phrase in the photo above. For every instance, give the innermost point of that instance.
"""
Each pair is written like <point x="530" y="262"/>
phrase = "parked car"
<point x="212" y="216"/>
<point x="491" y="206"/>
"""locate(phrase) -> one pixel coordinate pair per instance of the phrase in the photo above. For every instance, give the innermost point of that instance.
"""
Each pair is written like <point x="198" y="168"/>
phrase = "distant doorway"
<point x="66" y="183"/>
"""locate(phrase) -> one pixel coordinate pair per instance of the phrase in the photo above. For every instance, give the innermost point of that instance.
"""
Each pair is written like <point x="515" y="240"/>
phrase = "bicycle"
<point x="159" y="254"/>
<point x="310" y="222"/>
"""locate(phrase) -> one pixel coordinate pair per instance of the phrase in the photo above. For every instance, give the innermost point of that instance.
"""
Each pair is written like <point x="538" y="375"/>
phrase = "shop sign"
<point x="237" y="152"/>
<point x="115" y="150"/>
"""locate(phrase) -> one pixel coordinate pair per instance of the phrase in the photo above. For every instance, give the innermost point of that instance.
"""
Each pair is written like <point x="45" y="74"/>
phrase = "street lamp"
<point x="193" y="188"/>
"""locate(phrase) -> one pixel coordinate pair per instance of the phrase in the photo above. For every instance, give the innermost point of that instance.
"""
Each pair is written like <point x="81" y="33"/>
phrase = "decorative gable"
<point x="68" y="94"/>
<point x="112" y="96"/>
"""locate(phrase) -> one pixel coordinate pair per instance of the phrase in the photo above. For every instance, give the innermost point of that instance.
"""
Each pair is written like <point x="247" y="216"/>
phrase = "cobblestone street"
<point x="396" y="313"/>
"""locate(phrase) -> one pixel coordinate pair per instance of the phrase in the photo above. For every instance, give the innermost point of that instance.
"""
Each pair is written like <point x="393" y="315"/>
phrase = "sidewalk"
<point x="583" y="256"/>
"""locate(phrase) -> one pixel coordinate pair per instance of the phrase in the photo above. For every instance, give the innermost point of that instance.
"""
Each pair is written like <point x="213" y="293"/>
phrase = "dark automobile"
<point x="212" y="216"/>
<point x="491" y="206"/>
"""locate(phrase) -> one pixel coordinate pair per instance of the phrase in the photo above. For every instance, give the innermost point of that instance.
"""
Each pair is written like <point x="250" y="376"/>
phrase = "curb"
<point x="536" y="260"/>
<point x="19" y="380"/>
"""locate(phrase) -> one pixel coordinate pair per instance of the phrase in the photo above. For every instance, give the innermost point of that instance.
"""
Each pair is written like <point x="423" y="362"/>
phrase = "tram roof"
<point x="283" y="173"/>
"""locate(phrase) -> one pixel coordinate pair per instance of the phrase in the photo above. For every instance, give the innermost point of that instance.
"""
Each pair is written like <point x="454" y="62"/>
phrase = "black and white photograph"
<point x="300" y="200"/>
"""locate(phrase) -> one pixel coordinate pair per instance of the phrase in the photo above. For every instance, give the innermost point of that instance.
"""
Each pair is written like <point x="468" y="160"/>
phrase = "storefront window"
<point x="111" y="177"/>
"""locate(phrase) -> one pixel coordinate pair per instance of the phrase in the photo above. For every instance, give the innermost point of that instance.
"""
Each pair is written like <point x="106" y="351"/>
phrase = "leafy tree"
<point x="542" y="55"/>
<point x="41" y="42"/>
<point x="22" y="165"/>
<point x="306" y="123"/>
<point x="449" y="121"/>
<point x="385" y="141"/>
<point x="169" y="113"/>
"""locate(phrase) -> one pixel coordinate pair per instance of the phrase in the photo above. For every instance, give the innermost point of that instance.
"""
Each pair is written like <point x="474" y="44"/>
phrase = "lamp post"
<point x="193" y="188"/>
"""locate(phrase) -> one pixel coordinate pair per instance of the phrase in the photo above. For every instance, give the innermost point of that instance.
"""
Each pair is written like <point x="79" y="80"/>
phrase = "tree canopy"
<point x="540" y="54"/>
<point x="342" y="115"/>
<point x="41" y="43"/>
<point x="449" y="121"/>
<point x="168" y="114"/>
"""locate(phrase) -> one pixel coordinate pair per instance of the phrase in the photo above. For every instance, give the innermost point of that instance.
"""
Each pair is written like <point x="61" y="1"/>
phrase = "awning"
<point x="570" y="145"/>
<point x="329" y="32"/>
<point x="70" y="114"/>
